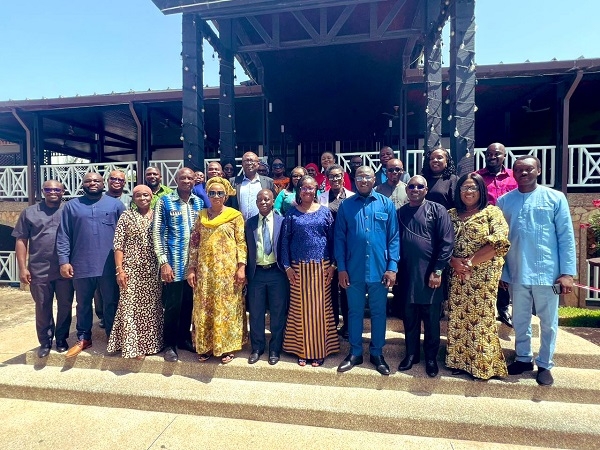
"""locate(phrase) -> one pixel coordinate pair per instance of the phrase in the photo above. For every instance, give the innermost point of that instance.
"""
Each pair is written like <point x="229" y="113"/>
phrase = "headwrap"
<point x="142" y="188"/>
<point x="229" y="190"/>
<point x="312" y="166"/>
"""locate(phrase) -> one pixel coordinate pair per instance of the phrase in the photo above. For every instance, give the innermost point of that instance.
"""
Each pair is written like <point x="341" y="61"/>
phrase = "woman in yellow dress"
<point x="217" y="273"/>
<point x="481" y="241"/>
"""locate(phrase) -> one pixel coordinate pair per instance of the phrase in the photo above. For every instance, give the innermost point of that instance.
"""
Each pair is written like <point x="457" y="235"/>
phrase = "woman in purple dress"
<point x="307" y="256"/>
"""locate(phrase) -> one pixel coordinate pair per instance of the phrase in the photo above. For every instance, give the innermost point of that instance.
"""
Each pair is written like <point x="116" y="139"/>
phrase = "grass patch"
<point x="578" y="317"/>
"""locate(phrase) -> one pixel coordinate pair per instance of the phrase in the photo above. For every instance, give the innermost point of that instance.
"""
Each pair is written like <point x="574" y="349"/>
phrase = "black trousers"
<point x="177" y="300"/>
<point x="430" y="316"/>
<point x="43" y="295"/>
<point x="85" y="288"/>
<point x="267" y="287"/>
<point x="339" y="301"/>
<point x="503" y="300"/>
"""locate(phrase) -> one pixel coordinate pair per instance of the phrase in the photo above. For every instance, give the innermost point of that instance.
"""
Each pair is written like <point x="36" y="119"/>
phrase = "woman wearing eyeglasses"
<point x="287" y="197"/>
<point x="138" y="327"/>
<point x="333" y="198"/>
<point x="307" y="256"/>
<point x="440" y="174"/>
<point x="279" y="178"/>
<point x="328" y="159"/>
<point x="481" y="241"/>
<point x="217" y="273"/>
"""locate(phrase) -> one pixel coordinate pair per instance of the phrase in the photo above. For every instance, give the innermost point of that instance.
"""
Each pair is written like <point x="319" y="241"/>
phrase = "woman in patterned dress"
<point x="307" y="256"/>
<point x="481" y="241"/>
<point x="217" y="273"/>
<point x="138" y="326"/>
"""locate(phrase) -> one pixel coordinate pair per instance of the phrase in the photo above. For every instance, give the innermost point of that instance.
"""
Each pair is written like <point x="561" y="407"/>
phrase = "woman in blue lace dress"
<point x="307" y="256"/>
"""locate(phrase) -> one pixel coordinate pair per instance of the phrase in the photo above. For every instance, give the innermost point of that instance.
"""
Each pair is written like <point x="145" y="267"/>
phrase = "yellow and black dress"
<point x="473" y="343"/>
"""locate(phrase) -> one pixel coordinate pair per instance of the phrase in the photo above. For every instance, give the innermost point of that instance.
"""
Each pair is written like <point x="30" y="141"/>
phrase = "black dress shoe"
<point x="273" y="358"/>
<point x="44" y="350"/>
<point x="431" y="367"/>
<point x="407" y="362"/>
<point x="171" y="354"/>
<point x="62" y="346"/>
<point x="518" y="367"/>
<point x="254" y="357"/>
<point x="349" y="363"/>
<point x="186" y="345"/>
<point x="380" y="364"/>
<point x="504" y="317"/>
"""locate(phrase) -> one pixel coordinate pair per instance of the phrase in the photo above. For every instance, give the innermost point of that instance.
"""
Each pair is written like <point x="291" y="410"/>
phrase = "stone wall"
<point x="9" y="212"/>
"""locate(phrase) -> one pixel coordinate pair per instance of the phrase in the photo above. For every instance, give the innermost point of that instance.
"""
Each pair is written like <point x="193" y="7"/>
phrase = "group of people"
<point x="179" y="269"/>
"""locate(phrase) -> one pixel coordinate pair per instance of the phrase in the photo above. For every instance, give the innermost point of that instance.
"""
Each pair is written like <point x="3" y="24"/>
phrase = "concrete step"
<point x="151" y="430"/>
<point x="524" y="422"/>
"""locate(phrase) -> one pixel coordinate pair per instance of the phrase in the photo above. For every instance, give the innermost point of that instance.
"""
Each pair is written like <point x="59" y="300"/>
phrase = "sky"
<point x="52" y="48"/>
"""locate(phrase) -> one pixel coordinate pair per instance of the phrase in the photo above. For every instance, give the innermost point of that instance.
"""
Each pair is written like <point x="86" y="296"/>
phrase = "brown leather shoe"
<point x="81" y="344"/>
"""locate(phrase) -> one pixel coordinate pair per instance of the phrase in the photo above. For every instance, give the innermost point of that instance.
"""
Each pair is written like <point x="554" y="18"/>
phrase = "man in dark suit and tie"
<point x="247" y="186"/>
<point x="267" y="282"/>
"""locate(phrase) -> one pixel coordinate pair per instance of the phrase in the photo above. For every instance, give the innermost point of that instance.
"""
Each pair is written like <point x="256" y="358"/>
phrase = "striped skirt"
<point x="310" y="331"/>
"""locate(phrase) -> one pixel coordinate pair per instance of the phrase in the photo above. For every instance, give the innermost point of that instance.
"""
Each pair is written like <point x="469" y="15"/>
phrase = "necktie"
<point x="266" y="236"/>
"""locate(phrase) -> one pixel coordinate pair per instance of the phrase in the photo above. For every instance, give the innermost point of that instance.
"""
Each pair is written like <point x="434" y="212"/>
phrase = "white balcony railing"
<point x="8" y="268"/>
<point x="13" y="182"/>
<point x="71" y="175"/>
<point x="584" y="169"/>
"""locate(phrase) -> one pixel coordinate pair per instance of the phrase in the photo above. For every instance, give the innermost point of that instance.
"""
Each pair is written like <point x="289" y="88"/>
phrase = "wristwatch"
<point x="438" y="272"/>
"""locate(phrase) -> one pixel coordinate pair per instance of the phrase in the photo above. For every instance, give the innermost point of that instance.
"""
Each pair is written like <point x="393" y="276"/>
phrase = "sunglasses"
<point x="395" y="170"/>
<point x="416" y="186"/>
<point x="53" y="190"/>
<point x="469" y="189"/>
<point x="278" y="166"/>
<point x="367" y="179"/>
<point x="117" y="180"/>
<point x="336" y="177"/>
<point x="217" y="194"/>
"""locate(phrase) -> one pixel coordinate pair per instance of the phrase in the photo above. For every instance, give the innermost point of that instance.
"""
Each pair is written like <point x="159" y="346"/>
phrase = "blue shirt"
<point x="542" y="241"/>
<point x="85" y="235"/>
<point x="249" y="189"/>
<point x="200" y="191"/>
<point x="173" y="222"/>
<point x="366" y="239"/>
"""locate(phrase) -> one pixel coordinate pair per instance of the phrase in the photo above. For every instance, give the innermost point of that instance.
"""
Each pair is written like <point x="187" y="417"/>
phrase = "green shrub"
<point x="578" y="317"/>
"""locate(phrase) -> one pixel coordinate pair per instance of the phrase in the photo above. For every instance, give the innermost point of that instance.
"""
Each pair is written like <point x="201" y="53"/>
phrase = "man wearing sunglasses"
<point x="116" y="186"/>
<point x="394" y="188"/>
<point x="385" y="155"/>
<point x="426" y="243"/>
<point x="36" y="231"/>
<point x="84" y="244"/>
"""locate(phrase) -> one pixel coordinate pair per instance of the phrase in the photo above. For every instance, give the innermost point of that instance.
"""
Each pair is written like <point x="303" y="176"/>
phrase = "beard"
<point x="98" y="193"/>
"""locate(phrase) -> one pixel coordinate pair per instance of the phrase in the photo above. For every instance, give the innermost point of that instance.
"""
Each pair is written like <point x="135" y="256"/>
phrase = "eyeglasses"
<point x="308" y="189"/>
<point x="53" y="190"/>
<point x="469" y="189"/>
<point x="416" y="186"/>
<point x="249" y="161"/>
<point x="297" y="176"/>
<point x="356" y="163"/>
<point x="278" y="166"/>
<point x="395" y="170"/>
<point x="366" y="178"/>
<point x="117" y="180"/>
<point x="218" y="194"/>
<point x="336" y="177"/>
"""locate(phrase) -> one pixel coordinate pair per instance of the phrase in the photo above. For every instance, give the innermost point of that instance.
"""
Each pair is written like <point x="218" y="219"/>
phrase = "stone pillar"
<point x="227" y="94"/>
<point x="462" y="84"/>
<point x="193" y="134"/>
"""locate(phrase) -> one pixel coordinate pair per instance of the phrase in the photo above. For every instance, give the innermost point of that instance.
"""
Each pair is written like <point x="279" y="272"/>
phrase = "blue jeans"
<point x="546" y="307"/>
<point x="84" y="293"/>
<point x="356" y="312"/>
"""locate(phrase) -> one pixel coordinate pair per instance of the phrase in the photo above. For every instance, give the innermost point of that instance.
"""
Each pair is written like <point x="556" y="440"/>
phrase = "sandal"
<point x="227" y="358"/>
<point x="317" y="362"/>
<point x="204" y="357"/>
<point x="301" y="362"/>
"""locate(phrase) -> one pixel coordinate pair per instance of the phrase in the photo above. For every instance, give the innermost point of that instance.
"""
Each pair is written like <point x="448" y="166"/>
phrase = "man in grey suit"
<point x="267" y="282"/>
<point x="248" y="185"/>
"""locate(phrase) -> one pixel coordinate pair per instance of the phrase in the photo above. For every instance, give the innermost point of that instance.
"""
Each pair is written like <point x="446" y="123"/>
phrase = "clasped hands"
<point x="462" y="266"/>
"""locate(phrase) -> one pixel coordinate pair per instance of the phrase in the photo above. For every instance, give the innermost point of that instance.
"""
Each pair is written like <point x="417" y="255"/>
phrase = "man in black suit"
<point x="248" y="185"/>
<point x="267" y="282"/>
